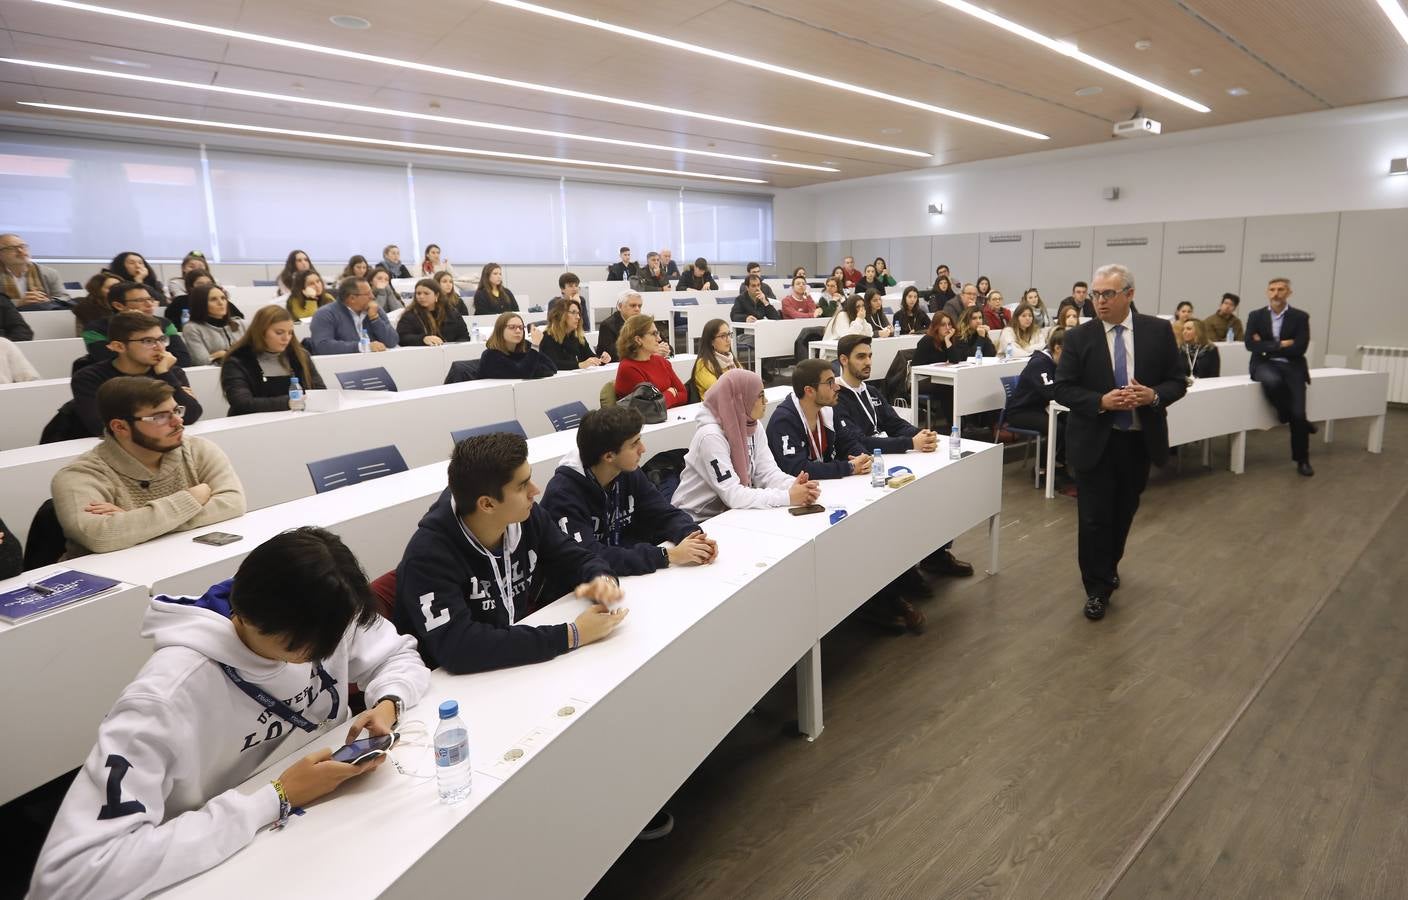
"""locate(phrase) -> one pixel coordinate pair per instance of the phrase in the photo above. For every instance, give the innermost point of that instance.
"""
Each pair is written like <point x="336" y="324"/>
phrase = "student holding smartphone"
<point x="254" y="668"/>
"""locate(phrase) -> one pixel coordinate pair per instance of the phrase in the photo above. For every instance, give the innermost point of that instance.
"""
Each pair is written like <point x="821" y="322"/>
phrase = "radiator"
<point x="1394" y="361"/>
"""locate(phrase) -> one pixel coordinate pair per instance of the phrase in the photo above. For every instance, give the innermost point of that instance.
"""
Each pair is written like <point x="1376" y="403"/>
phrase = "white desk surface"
<point x="67" y="667"/>
<point x="976" y="388"/>
<point x="655" y="687"/>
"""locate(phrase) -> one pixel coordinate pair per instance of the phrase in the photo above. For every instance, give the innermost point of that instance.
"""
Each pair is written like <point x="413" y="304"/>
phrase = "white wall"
<point x="1319" y="162"/>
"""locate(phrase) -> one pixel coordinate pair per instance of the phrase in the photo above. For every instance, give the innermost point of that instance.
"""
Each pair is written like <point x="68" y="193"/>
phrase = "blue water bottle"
<point x="978" y="353"/>
<point x="452" y="772"/>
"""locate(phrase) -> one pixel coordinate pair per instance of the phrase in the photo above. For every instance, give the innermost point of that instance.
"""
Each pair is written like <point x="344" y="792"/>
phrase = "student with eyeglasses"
<point x="146" y="478"/>
<point x="640" y="362"/>
<point x="802" y="432"/>
<point x="139" y="347"/>
<point x="512" y="351"/>
<point x="252" y="669"/>
<point x="127" y="297"/>
<point x="715" y="356"/>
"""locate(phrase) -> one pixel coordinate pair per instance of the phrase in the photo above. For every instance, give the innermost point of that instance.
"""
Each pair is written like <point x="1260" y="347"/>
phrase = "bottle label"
<point x="447" y="757"/>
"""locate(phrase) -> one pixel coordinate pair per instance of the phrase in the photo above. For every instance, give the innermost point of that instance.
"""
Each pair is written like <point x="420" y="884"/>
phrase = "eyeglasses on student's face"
<point x="1107" y="295"/>
<point x="19" y="246"/>
<point x="150" y="342"/>
<point x="161" y="418"/>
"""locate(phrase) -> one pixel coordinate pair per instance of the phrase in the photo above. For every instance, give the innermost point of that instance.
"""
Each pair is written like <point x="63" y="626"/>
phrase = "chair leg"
<point x="1036" y="465"/>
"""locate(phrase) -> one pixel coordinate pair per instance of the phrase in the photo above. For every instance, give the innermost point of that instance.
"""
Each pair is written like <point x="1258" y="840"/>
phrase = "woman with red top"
<point x="638" y="349"/>
<point x="995" y="315"/>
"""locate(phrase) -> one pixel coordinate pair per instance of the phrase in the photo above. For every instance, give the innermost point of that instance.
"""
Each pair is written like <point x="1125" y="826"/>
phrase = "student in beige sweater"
<point x="144" y="480"/>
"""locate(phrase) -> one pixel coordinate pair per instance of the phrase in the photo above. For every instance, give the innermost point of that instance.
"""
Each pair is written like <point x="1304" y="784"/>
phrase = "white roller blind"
<point x="603" y="218"/>
<point x="483" y="218"/>
<point x="728" y="228"/>
<point x="79" y="199"/>
<point x="266" y="206"/>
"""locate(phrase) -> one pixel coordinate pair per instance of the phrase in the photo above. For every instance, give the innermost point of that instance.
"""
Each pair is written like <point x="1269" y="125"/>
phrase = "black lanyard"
<point x="613" y="514"/>
<point x="280" y="708"/>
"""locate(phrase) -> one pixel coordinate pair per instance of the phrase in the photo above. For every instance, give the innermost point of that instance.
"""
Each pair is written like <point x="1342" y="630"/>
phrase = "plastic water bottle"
<point x="185" y="317"/>
<point x="478" y="334"/>
<point x="1230" y="333"/>
<point x="1010" y="351"/>
<point x="364" y="343"/>
<point x="955" y="443"/>
<point x="978" y="353"/>
<point x="295" y="395"/>
<point x="877" y="468"/>
<point x="452" y="772"/>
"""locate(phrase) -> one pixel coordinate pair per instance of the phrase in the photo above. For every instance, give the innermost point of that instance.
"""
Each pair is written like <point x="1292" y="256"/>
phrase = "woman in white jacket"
<point x="729" y="465"/>
<point x="849" y="319"/>
<point x="1024" y="335"/>
<point x="229" y="689"/>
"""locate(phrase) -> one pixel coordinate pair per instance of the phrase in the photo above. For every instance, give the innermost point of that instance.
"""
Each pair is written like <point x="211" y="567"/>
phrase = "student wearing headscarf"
<point x="729" y="465"/>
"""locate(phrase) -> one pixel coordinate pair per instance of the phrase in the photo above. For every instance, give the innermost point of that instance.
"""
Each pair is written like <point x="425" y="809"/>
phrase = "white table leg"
<point x="1207" y="454"/>
<point x="809" y="693"/>
<point x="994" y="534"/>
<point x="1238" y="461"/>
<point x="1329" y="430"/>
<point x="1051" y="415"/>
<point x="914" y="396"/>
<point x="1376" y="434"/>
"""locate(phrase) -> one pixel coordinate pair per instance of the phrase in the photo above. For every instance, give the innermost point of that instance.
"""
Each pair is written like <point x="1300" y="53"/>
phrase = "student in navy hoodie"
<point x="601" y="499"/>
<point x="1036" y="387"/>
<point x="483" y="558"/>
<point x="801" y="433"/>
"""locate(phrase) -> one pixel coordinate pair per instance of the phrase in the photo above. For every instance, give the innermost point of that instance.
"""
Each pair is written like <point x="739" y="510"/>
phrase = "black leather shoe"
<point x="1304" y="468"/>
<point x="1313" y="428"/>
<point x="1094" y="608"/>
<point x="944" y="563"/>
<point x="1115" y="582"/>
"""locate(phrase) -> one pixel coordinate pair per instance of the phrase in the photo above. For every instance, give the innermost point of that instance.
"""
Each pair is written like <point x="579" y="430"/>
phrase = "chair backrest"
<point x="608" y="395"/>
<point x="568" y="415"/>
<point x="259" y="282"/>
<point x="45" y="544"/>
<point x="462" y="370"/>
<point x="1009" y="387"/>
<point x="374" y="379"/>
<point x="724" y="301"/>
<point x="510" y="426"/>
<point x="350" y="468"/>
<point x="685" y="301"/>
<point x="73" y="285"/>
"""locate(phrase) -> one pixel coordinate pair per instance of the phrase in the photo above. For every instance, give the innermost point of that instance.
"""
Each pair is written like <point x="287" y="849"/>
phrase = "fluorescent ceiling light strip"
<point x="1069" y="50"/>
<point x="382" y="111"/>
<point x="380" y="142"/>
<point x="766" y="67"/>
<point x="1397" y="16"/>
<point x="471" y="76"/>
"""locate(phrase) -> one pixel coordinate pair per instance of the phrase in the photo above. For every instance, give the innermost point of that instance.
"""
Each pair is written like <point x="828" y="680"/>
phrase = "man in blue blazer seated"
<point x="338" y="326"/>
<point x="1277" y="336"/>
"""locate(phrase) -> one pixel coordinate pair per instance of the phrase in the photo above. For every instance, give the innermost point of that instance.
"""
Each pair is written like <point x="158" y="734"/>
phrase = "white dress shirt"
<point x="1128" y="324"/>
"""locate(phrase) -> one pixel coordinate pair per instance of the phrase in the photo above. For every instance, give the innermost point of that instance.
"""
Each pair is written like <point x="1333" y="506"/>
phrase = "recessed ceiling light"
<point x="1067" y="49"/>
<point x="1397" y="16"/>
<point x="1195" y="72"/>
<point x="1089" y="91"/>
<point x="1237" y="92"/>
<point x="396" y="113"/>
<point x="359" y="56"/>
<point x="889" y="131"/>
<point x="356" y="23"/>
<point x="1143" y="44"/>
<point x="379" y="142"/>
<point x="730" y="56"/>
<point x="125" y="63"/>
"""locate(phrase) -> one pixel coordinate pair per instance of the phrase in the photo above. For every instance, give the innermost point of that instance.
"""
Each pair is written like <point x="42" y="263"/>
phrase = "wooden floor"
<point x="1237" y="726"/>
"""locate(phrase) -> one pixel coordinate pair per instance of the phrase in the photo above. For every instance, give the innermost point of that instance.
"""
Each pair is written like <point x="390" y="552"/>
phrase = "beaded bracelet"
<point x="574" y="636"/>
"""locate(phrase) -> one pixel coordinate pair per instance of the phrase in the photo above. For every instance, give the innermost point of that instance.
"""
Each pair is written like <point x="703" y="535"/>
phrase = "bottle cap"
<point x="875" y="452"/>
<point x="449" y="709"/>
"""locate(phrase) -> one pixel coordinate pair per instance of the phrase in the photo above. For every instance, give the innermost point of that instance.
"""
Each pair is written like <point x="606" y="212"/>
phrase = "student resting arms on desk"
<point x="146" y="478"/>
<point x="601" y="499"/>
<point x="159" y="798"/>
<point x="431" y="320"/>
<point x="485" y="556"/>
<point x="565" y="343"/>
<point x="802" y="434"/>
<point x="509" y="353"/>
<point x="729" y="465"/>
<point x="639" y="350"/>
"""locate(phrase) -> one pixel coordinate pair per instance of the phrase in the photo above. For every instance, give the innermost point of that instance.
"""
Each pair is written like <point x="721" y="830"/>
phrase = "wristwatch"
<point x="664" y="558"/>
<point x="400" y="707"/>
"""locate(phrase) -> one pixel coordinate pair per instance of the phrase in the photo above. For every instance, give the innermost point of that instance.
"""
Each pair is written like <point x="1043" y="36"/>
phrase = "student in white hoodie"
<point x="729" y="465"/>
<point x="159" y="798"/>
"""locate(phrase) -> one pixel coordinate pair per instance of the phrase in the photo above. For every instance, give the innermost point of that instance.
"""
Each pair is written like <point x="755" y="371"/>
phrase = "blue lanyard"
<point x="280" y="708"/>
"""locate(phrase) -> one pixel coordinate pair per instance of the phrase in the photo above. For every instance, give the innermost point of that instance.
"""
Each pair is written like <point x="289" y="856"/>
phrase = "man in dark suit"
<point x="624" y="270"/>
<point x="1277" y="336"/>
<point x="1118" y="373"/>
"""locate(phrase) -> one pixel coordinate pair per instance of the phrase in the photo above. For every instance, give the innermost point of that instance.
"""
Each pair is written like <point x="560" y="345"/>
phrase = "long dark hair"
<point x="432" y="319"/>
<point x="199" y="305"/>
<point x="854" y="306"/>
<point x="286" y="276"/>
<point x="905" y="313"/>
<point x="351" y="263"/>
<point x="876" y="317"/>
<point x="118" y="266"/>
<point x="706" y="346"/>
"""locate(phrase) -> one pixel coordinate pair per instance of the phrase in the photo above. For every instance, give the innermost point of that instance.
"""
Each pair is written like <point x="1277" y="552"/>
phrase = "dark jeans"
<point x="1107" y="497"/>
<point x="1285" y="389"/>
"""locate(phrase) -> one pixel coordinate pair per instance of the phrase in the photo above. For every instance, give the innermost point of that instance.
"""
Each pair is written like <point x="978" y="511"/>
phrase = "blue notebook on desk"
<point x="59" y="589"/>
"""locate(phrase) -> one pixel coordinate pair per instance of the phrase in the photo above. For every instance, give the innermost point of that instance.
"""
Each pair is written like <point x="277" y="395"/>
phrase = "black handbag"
<point x="646" y="399"/>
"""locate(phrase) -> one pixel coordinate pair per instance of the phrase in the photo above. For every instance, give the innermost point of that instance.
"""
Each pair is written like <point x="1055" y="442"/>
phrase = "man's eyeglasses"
<point x="827" y="382"/>
<point x="161" y="418"/>
<point x="15" y="247"/>
<point x="1107" y="295"/>
<point x="150" y="342"/>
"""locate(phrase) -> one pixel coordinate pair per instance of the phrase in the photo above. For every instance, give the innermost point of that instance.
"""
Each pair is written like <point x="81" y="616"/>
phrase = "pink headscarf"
<point x="730" y="401"/>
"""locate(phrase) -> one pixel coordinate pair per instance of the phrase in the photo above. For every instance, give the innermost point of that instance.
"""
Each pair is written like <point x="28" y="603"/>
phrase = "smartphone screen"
<point x="806" y="510"/>
<point x="361" y="749"/>
<point x="218" y="538"/>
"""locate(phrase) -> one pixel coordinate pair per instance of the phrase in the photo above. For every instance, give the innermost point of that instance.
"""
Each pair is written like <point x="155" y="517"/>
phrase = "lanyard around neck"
<point x="503" y="578"/>
<point x="279" y="707"/>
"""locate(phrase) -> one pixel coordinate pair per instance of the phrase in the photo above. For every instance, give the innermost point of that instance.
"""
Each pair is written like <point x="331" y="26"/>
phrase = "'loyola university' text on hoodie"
<point x="448" y="593"/>
<point x="623" y="522"/>
<point x="157" y="799"/>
